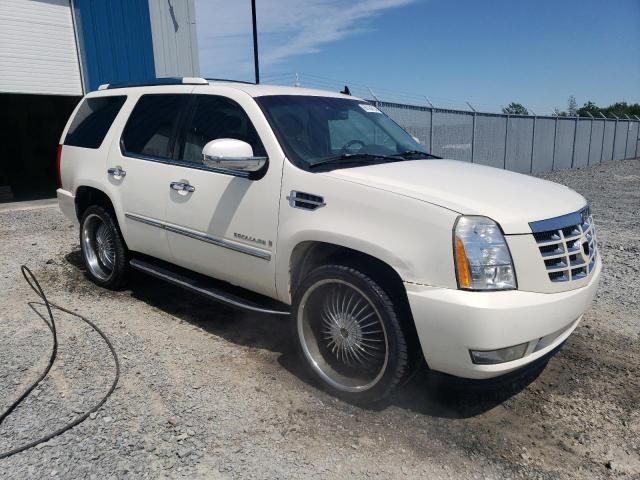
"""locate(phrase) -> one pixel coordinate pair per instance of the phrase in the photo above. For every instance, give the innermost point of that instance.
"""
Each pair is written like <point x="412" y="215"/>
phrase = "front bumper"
<point x="452" y="322"/>
<point x="67" y="204"/>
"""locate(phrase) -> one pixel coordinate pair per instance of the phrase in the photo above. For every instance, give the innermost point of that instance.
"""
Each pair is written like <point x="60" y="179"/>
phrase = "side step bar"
<point x="212" y="289"/>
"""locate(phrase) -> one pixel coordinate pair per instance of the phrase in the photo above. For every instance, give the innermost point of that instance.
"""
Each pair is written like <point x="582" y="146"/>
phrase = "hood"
<point x="511" y="199"/>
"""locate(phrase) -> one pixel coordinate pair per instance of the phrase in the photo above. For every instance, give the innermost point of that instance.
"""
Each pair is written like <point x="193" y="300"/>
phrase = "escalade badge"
<point x="249" y="238"/>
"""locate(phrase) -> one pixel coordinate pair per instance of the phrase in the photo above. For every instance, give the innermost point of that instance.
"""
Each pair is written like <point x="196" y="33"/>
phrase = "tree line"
<point x="618" y="109"/>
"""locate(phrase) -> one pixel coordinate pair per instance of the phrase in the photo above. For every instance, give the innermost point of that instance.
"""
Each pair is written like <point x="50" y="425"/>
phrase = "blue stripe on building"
<point x="115" y="41"/>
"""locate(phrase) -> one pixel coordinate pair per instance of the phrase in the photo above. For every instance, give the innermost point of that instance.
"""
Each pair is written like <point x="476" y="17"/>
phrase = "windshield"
<point x="337" y="132"/>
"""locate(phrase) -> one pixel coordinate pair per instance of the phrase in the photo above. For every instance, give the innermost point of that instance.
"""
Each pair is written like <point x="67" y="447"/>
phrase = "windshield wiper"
<point x="412" y="153"/>
<point x="346" y="158"/>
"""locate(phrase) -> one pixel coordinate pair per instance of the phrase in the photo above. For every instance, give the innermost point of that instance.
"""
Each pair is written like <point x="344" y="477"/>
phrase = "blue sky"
<point x="487" y="52"/>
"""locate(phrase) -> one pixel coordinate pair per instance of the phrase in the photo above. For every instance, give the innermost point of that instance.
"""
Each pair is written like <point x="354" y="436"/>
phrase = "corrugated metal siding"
<point x="37" y="48"/>
<point x="115" y="40"/>
<point x="175" y="45"/>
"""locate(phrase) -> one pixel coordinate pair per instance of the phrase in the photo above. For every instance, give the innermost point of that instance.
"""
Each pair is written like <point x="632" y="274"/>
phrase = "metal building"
<point x="54" y="51"/>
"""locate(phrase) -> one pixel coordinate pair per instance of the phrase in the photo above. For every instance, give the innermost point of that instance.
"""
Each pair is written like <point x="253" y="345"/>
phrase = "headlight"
<point x="482" y="257"/>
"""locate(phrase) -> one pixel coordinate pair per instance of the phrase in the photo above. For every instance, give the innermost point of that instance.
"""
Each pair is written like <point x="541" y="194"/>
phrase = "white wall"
<point x="175" y="45"/>
<point x="38" y="48"/>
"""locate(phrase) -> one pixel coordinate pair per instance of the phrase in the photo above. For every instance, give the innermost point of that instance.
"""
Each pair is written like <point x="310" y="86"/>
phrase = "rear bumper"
<point x="450" y="323"/>
<point x="67" y="204"/>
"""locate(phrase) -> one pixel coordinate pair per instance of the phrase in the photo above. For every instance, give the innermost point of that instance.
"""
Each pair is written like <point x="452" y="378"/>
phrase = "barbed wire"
<point x="309" y="80"/>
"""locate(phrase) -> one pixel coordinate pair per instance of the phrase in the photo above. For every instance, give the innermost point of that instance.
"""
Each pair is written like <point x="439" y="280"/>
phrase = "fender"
<point x="283" y="274"/>
<point x="411" y="236"/>
<point x="119" y="211"/>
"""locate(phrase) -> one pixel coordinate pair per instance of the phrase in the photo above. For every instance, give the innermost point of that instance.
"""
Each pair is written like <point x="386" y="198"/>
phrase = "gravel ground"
<point x="207" y="392"/>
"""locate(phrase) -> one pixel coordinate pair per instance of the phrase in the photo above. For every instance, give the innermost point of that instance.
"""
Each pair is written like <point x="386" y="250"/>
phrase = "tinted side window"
<point x="217" y="117"/>
<point x="152" y="125"/>
<point x="93" y="120"/>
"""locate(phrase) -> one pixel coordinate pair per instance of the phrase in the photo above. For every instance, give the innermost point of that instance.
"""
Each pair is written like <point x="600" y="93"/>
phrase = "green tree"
<point x="515" y="109"/>
<point x="572" y="106"/>
<point x="589" y="108"/>
<point x="621" y="109"/>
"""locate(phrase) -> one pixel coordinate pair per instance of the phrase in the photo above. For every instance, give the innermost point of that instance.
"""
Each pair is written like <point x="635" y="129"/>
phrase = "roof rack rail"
<point x="157" y="81"/>
<point x="229" y="80"/>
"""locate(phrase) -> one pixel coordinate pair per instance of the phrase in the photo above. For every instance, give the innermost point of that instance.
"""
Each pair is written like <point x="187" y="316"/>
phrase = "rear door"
<point x="226" y="227"/>
<point x="139" y="169"/>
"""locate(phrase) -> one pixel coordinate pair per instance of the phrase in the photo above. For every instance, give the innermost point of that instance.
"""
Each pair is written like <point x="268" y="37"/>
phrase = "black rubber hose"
<point x="35" y="286"/>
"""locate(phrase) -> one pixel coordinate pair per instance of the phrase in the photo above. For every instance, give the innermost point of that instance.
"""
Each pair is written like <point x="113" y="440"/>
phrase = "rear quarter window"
<point x="93" y="120"/>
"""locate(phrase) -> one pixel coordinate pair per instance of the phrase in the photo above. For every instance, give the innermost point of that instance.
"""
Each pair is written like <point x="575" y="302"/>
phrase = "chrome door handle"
<point x="116" y="172"/>
<point x="182" y="187"/>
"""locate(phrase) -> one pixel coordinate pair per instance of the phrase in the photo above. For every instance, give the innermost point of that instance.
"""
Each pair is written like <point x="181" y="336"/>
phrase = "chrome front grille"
<point x="567" y="245"/>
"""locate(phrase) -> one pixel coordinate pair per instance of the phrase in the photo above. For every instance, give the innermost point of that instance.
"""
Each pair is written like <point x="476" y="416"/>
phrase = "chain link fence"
<point x="522" y="143"/>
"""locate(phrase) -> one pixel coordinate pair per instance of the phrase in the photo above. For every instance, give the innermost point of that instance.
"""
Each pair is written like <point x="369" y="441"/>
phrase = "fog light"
<point x="490" y="357"/>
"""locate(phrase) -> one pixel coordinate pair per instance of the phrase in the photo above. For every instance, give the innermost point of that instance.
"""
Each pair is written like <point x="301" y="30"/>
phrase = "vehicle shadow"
<point x="255" y="330"/>
<point x="426" y="393"/>
<point x="438" y="395"/>
<point x="260" y="331"/>
<point x="74" y="258"/>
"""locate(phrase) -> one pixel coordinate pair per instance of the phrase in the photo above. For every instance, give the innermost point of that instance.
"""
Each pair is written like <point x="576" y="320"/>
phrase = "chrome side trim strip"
<point x="146" y="220"/>
<point x="220" y="242"/>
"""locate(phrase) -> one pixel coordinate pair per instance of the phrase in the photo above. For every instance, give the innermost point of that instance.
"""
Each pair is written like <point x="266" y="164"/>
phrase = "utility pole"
<point x="255" y="41"/>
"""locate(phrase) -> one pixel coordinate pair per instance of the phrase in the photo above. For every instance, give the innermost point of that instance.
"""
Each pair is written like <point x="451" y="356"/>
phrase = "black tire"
<point x="317" y="334"/>
<point x="108" y="271"/>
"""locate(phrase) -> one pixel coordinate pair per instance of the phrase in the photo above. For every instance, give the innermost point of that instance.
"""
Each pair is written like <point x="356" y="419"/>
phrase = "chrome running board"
<point x="210" y="288"/>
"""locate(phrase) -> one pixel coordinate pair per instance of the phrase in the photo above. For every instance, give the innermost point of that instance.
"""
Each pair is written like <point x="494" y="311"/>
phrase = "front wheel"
<point x="348" y="334"/>
<point x="104" y="253"/>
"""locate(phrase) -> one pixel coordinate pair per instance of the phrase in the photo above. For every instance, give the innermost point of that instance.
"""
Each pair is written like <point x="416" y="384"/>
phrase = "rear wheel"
<point x="348" y="333"/>
<point x="103" y="250"/>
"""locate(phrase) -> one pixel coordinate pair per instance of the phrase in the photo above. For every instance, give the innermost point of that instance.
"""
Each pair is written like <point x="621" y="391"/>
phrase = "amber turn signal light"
<point x="462" y="265"/>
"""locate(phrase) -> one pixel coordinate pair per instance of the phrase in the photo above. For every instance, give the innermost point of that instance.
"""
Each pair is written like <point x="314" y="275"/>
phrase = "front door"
<point x="223" y="225"/>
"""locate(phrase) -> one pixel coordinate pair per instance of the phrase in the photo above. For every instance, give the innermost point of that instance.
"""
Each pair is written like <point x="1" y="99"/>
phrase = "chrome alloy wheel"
<point x="98" y="247"/>
<point x="342" y="335"/>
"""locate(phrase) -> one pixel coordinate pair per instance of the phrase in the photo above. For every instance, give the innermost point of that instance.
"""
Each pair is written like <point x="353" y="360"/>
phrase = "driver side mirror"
<point x="228" y="155"/>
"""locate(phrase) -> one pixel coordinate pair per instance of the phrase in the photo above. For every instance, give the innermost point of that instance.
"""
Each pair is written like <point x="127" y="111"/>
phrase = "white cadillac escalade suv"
<point x="316" y="205"/>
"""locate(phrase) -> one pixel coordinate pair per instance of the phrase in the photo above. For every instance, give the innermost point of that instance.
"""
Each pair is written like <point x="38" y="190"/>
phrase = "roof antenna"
<point x="346" y="91"/>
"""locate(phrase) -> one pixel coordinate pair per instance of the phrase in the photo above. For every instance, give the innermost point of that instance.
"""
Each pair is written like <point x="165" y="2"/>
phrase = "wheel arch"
<point x="310" y="254"/>
<point x="85" y="196"/>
